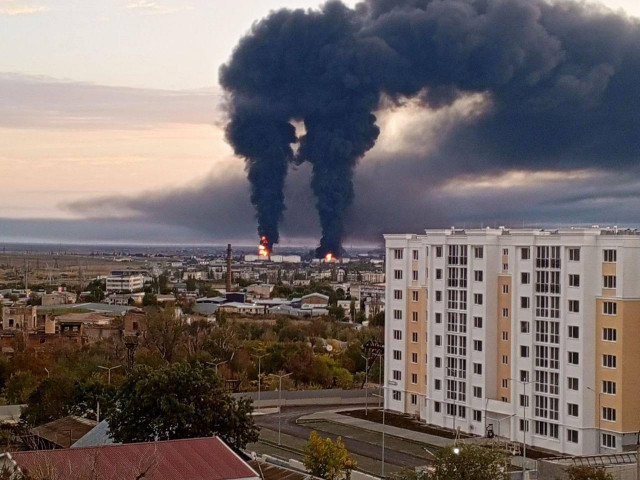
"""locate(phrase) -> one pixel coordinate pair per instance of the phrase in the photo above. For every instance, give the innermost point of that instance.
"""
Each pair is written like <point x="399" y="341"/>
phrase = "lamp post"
<point x="48" y="372"/>
<point x="524" y="430"/>
<point x="109" y="370"/>
<point x="366" y="385"/>
<point x="259" y="357"/>
<point x="215" y="364"/>
<point x="383" y="429"/>
<point x="280" y="377"/>
<point x="598" y="439"/>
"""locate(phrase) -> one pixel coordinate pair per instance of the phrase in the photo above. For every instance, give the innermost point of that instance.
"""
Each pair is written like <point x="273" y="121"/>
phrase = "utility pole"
<point x="259" y="357"/>
<point x="366" y="385"/>
<point x="109" y="370"/>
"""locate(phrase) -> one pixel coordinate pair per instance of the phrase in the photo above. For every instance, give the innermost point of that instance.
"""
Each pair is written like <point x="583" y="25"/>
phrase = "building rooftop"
<point x="188" y="459"/>
<point x="64" y="431"/>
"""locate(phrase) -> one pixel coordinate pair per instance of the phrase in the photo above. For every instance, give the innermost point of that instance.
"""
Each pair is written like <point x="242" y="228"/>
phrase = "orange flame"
<point x="263" y="250"/>
<point x="328" y="257"/>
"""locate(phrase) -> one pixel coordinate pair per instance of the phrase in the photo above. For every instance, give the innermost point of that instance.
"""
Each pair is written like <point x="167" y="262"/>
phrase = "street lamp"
<point x="366" y="385"/>
<point x="383" y="429"/>
<point x="215" y="364"/>
<point x="524" y="430"/>
<point x="280" y="377"/>
<point x="259" y="357"/>
<point x="109" y="370"/>
<point x="598" y="439"/>
<point x="48" y="372"/>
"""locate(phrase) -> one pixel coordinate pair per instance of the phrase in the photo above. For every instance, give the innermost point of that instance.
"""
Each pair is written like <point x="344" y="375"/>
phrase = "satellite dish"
<point x="329" y="348"/>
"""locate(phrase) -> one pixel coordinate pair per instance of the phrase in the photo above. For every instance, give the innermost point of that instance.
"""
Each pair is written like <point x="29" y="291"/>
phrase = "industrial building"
<point x="531" y="334"/>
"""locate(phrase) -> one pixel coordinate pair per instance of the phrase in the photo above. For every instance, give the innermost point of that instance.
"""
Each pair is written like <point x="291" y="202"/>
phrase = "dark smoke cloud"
<point x="561" y="80"/>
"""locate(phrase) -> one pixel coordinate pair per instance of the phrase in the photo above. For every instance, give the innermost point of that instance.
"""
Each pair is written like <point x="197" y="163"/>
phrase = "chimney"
<point x="229" y="279"/>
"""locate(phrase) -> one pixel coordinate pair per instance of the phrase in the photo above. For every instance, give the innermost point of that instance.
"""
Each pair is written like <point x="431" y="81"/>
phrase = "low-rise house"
<point x="260" y="290"/>
<point x="243" y="308"/>
<point x="193" y="459"/>
<point x="60" y="433"/>
<point x="58" y="298"/>
<point x="19" y="317"/>
<point x="315" y="299"/>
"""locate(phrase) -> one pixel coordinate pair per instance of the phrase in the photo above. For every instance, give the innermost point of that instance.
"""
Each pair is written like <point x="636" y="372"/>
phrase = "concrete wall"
<point x="310" y="397"/>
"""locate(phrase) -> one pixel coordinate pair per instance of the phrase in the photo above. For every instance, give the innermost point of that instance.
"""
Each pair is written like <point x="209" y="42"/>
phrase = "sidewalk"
<point x="335" y="417"/>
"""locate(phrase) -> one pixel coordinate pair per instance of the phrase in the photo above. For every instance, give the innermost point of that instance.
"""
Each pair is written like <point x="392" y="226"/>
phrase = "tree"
<point x="164" y="331"/>
<point x="20" y="386"/>
<point x="469" y="462"/>
<point x="149" y="299"/>
<point x="336" y="312"/>
<point x="52" y="399"/>
<point x="588" y="473"/>
<point x="327" y="459"/>
<point x="180" y="400"/>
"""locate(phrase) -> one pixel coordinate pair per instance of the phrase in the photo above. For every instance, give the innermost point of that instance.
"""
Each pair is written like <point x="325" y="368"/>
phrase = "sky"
<point x="111" y="129"/>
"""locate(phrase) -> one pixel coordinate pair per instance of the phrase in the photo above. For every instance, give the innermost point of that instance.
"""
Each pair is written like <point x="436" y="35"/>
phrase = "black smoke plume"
<point x="561" y="83"/>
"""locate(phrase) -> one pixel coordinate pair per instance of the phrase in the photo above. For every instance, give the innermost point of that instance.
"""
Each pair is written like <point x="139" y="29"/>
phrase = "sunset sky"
<point x="109" y="99"/>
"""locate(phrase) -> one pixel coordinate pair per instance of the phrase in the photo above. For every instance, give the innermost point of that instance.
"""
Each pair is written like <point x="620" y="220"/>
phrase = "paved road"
<point x="290" y="427"/>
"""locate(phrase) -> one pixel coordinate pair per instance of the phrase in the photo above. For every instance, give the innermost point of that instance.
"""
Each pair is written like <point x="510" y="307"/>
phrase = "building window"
<point x="397" y="253"/>
<point x="397" y="355"/>
<point x="610" y="256"/>
<point x="525" y="253"/>
<point x="414" y="399"/>
<point x="438" y="340"/>
<point x="610" y="308"/>
<point x="414" y="316"/>
<point x="477" y="415"/>
<point x="609" y="414"/>
<point x="609" y="361"/>
<point x="477" y="392"/>
<point x="416" y="255"/>
<point x="438" y="274"/>
<point x="572" y="436"/>
<point x="414" y="379"/>
<point x="477" y="368"/>
<point x="438" y="362"/>
<point x="524" y="302"/>
<point x="397" y="274"/>
<point x="505" y="288"/>
<point x="477" y="298"/>
<point x="574" y="358"/>
<point x="397" y="396"/>
<point x="414" y="337"/>
<point x="572" y="409"/>
<point x="477" y="345"/>
<point x="609" y="281"/>
<point x="415" y="275"/>
<point x="505" y="266"/>
<point x="524" y="327"/>
<point x="478" y="252"/>
<point x="477" y="322"/>
<point x="436" y="407"/>
<point x="524" y="400"/>
<point x="609" y="334"/>
<point x="397" y="314"/>
<point x="505" y="252"/>
<point x="574" y="280"/>
<point x="573" y="383"/>
<point x="438" y="318"/>
<point x="608" y="387"/>
<point x="574" y="254"/>
<point x="608" y="440"/>
<point x="397" y="335"/>
<point x="524" y="425"/>
<point x="438" y="296"/>
<point x="437" y="384"/>
<point x="524" y="351"/>
<point x="477" y="275"/>
<point x="438" y="252"/>
<point x="524" y="376"/>
<point x="505" y="359"/>
<point x="574" y="331"/>
<point x="414" y="357"/>
<point x="574" y="306"/>
<point x="505" y="383"/>
<point x="505" y="312"/>
<point x="397" y="375"/>
<point x="415" y="296"/>
<point x="505" y="336"/>
<point x="525" y="278"/>
<point x="397" y="294"/>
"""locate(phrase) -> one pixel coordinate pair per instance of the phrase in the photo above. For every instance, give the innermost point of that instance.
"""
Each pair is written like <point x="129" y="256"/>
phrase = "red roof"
<point x="188" y="459"/>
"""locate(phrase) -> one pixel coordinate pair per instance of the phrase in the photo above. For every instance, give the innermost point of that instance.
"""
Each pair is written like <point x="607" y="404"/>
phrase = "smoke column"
<point x="560" y="81"/>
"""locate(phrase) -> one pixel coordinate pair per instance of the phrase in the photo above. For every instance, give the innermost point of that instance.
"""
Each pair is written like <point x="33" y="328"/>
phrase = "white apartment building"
<point x="532" y="333"/>
<point x="123" y="281"/>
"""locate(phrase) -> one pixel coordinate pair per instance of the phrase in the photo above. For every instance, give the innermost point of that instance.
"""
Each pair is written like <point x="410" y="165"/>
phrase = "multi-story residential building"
<point x="533" y="334"/>
<point x="123" y="281"/>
